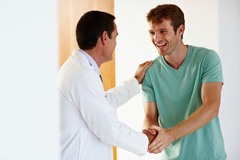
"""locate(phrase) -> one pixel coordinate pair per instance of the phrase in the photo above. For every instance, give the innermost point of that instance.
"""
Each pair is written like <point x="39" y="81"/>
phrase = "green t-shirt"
<point x="177" y="94"/>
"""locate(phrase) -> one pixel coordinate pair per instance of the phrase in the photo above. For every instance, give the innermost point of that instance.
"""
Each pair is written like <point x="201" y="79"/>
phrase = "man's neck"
<point x="177" y="57"/>
<point x="95" y="56"/>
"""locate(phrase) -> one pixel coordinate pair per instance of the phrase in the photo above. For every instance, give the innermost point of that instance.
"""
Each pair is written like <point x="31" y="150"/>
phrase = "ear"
<point x="104" y="37"/>
<point x="180" y="30"/>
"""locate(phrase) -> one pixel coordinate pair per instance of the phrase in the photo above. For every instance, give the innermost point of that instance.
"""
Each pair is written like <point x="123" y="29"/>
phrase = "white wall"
<point x="28" y="67"/>
<point x="134" y="46"/>
<point x="229" y="49"/>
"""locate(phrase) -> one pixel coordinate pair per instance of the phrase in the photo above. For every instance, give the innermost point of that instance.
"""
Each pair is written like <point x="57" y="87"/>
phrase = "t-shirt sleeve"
<point x="147" y="89"/>
<point x="212" y="68"/>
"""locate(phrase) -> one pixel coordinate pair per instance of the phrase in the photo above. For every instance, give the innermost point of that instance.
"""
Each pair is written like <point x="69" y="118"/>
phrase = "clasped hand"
<point x="159" y="138"/>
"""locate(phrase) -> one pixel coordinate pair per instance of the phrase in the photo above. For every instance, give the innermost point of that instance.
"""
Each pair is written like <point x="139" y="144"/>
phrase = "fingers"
<point x="140" y="73"/>
<point x="152" y="131"/>
<point x="162" y="140"/>
<point x="144" y="63"/>
<point x="155" y="144"/>
<point x="147" y="64"/>
<point x="158" y="150"/>
<point x="150" y="136"/>
<point x="153" y="127"/>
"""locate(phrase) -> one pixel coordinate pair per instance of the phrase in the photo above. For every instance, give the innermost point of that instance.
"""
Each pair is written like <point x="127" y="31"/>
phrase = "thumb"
<point x="153" y="127"/>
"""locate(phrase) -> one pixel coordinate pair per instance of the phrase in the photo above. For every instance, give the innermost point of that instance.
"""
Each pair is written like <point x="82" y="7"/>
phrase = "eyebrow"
<point x="157" y="29"/>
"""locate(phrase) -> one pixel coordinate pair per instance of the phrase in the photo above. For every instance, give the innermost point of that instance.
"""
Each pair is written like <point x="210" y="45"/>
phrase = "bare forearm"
<point x="197" y="120"/>
<point x="211" y="97"/>
<point x="149" y="122"/>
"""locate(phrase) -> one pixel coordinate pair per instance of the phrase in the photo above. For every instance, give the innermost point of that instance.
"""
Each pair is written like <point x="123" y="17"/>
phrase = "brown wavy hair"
<point x="169" y="12"/>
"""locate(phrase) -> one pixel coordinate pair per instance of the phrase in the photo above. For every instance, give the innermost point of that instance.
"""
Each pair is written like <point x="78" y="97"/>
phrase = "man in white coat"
<point x="89" y="123"/>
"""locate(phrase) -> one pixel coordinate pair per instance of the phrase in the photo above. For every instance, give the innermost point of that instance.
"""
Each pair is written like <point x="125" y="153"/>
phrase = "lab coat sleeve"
<point x="101" y="117"/>
<point x="120" y="95"/>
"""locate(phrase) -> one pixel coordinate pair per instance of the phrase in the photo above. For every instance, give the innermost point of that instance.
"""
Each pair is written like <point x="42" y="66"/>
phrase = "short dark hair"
<point x="167" y="11"/>
<point x="90" y="27"/>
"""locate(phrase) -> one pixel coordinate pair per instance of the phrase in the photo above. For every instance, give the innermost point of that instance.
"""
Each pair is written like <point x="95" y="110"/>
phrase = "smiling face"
<point x="163" y="37"/>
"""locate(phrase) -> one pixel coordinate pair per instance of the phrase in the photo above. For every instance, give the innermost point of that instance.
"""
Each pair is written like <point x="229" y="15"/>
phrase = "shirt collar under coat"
<point x="91" y="61"/>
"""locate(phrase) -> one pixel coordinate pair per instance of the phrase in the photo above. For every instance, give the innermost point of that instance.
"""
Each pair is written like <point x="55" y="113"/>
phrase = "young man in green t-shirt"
<point x="181" y="92"/>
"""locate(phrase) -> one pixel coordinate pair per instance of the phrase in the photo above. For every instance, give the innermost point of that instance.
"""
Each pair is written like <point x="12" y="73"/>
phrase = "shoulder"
<point x="201" y="53"/>
<point x="155" y="65"/>
<point x="200" y="50"/>
<point x="72" y="74"/>
<point x="152" y="70"/>
<point x="71" y="70"/>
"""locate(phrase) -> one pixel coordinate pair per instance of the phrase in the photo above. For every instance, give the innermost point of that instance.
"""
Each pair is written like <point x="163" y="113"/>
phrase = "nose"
<point x="157" y="37"/>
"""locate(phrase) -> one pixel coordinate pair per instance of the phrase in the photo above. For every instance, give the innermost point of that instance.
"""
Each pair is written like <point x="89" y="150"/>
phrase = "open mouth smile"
<point x="161" y="46"/>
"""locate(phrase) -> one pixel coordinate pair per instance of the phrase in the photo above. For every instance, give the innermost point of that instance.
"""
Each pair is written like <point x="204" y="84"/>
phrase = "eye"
<point x="163" y="31"/>
<point x="151" y="33"/>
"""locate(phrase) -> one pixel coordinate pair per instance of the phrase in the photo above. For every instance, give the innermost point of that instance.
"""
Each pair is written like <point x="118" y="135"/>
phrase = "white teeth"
<point x="159" y="45"/>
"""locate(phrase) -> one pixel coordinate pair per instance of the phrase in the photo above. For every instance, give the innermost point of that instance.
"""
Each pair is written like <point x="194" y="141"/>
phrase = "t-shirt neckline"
<point x="182" y="65"/>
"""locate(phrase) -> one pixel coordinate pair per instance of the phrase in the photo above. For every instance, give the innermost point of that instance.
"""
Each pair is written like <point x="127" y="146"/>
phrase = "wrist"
<point x="136" y="77"/>
<point x="173" y="134"/>
<point x="150" y="136"/>
<point x="146" y="132"/>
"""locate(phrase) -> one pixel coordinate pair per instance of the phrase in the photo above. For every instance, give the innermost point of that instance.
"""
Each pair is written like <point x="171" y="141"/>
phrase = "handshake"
<point x="159" y="138"/>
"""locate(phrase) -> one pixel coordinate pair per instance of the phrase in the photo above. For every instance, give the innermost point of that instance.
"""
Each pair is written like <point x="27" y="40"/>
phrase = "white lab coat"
<point x="89" y="123"/>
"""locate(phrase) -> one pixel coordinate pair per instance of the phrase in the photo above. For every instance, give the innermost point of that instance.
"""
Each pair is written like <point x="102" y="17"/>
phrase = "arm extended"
<point x="211" y="96"/>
